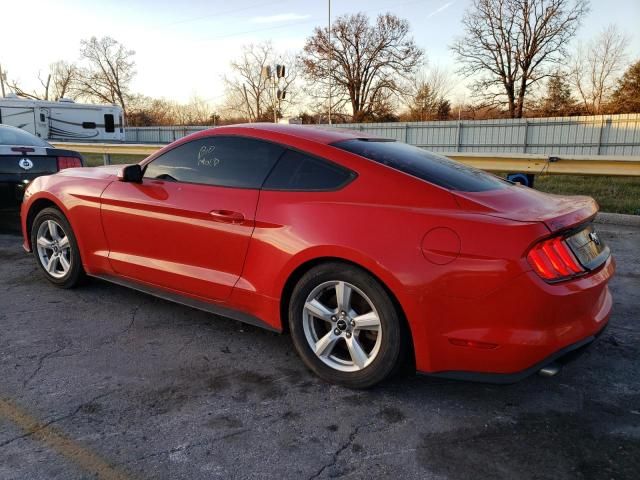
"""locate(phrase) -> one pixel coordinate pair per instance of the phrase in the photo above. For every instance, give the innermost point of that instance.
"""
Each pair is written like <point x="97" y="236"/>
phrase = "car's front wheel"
<point x="345" y="326"/>
<point x="56" y="249"/>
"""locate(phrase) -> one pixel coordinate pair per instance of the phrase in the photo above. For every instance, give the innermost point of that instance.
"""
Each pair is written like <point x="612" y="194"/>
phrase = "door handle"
<point x="227" y="216"/>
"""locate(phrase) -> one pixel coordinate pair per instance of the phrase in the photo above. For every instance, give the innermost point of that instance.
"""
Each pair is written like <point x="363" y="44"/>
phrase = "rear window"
<point x="20" y="138"/>
<point x="425" y="165"/>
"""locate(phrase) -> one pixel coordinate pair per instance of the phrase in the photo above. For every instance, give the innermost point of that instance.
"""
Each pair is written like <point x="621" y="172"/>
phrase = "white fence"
<point x="594" y="135"/>
<point x="158" y="134"/>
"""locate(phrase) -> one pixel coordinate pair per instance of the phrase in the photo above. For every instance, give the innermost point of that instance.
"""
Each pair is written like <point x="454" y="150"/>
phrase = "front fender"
<point x="35" y="200"/>
<point x="79" y="200"/>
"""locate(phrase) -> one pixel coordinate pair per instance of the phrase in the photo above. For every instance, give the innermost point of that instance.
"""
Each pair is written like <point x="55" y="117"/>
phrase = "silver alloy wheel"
<point x="342" y="326"/>
<point x="54" y="249"/>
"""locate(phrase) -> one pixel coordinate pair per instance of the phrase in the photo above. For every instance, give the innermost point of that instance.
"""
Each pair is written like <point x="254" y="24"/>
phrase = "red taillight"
<point x="552" y="260"/>
<point x="68" y="162"/>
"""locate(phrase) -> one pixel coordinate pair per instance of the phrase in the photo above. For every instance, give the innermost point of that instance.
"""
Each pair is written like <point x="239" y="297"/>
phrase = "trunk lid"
<point x="28" y="164"/>
<point x="29" y="161"/>
<point x="525" y="204"/>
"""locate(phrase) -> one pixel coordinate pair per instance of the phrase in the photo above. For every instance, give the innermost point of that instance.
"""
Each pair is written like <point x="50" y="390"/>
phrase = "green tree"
<point x="557" y="100"/>
<point x="626" y="97"/>
<point x="426" y="96"/>
<point x="443" y="112"/>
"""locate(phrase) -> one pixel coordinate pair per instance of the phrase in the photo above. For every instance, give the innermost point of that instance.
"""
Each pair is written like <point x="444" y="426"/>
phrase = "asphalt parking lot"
<point x="105" y="382"/>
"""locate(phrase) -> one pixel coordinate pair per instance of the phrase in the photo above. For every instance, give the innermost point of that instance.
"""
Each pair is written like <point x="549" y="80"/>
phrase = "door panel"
<point x="186" y="237"/>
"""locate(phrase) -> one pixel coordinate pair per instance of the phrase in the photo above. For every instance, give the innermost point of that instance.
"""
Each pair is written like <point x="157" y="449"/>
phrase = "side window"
<point x="221" y="161"/>
<point x="297" y="171"/>
<point x="109" y="124"/>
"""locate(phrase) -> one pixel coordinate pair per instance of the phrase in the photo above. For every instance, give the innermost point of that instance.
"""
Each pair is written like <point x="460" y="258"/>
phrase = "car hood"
<point x="525" y="204"/>
<point x="99" y="173"/>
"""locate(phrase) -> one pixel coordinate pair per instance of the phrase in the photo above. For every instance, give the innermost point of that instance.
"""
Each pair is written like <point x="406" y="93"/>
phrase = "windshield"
<point x="15" y="136"/>
<point x="425" y="165"/>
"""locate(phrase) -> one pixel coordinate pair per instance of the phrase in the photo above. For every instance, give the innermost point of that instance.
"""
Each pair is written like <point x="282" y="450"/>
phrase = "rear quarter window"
<point x="425" y="165"/>
<point x="300" y="172"/>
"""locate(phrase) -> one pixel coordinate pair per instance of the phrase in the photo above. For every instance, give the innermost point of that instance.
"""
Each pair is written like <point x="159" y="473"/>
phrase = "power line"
<point x="275" y="27"/>
<point x="218" y="14"/>
<point x="257" y="30"/>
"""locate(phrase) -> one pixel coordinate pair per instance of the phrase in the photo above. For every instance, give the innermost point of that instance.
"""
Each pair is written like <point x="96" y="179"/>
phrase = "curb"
<point x="618" y="219"/>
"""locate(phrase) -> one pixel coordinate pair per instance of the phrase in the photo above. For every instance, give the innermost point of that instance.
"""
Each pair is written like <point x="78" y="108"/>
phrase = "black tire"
<point x="393" y="343"/>
<point x="75" y="273"/>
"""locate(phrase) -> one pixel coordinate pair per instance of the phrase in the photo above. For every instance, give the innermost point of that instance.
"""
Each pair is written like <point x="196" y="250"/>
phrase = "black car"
<point x="23" y="157"/>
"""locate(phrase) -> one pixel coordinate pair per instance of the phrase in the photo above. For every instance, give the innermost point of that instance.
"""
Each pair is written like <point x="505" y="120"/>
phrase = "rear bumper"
<point x="11" y="193"/>
<point x="516" y="330"/>
<point x="568" y="353"/>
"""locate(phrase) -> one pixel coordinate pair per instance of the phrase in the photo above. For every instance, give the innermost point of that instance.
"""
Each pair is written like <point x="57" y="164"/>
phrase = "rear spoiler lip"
<point x="59" y="152"/>
<point x="557" y="224"/>
<point x="577" y="210"/>
<point x="577" y="217"/>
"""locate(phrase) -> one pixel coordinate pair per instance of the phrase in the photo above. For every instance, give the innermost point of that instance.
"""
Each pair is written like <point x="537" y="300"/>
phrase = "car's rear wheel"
<point x="345" y="326"/>
<point x="56" y="249"/>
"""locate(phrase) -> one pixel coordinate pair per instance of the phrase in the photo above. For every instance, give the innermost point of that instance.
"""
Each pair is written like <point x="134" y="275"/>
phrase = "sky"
<point x="183" y="47"/>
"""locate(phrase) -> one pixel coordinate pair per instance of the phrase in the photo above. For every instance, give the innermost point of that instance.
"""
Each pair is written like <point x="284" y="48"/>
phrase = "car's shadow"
<point x="10" y="222"/>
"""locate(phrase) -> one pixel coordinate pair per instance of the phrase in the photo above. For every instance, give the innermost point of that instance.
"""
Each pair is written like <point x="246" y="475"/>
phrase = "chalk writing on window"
<point x="206" y="156"/>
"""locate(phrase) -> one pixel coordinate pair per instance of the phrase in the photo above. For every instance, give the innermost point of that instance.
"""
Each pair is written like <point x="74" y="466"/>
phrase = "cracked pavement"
<point x="159" y="390"/>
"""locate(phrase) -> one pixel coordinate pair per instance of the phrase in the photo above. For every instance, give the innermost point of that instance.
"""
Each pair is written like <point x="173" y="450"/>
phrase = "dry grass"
<point x="613" y="194"/>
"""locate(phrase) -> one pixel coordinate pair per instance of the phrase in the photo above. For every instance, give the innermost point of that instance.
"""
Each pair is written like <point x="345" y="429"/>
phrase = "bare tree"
<point x="596" y="67"/>
<point x="63" y="77"/>
<point x="369" y="61"/>
<point x="58" y="81"/>
<point x="14" y="87"/>
<point x="249" y="92"/>
<point x="108" y="72"/>
<point x="510" y="45"/>
<point x="197" y="112"/>
<point x="146" y="111"/>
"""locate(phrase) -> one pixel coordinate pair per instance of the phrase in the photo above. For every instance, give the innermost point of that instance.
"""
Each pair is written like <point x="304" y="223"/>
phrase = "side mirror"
<point x="131" y="173"/>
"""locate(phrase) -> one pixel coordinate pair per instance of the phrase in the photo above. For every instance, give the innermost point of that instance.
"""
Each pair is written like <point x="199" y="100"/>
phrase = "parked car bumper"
<point x="12" y="189"/>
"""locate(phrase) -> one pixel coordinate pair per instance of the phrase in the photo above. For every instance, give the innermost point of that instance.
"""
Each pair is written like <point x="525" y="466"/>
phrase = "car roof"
<point x="11" y="127"/>
<point x="315" y="133"/>
<point x="4" y="126"/>
<point x="322" y="134"/>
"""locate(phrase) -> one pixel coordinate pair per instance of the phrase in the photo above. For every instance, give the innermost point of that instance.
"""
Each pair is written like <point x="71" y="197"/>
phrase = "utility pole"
<point x="246" y="99"/>
<point x="2" y="81"/>
<point x="330" y="61"/>
<point x="275" y="99"/>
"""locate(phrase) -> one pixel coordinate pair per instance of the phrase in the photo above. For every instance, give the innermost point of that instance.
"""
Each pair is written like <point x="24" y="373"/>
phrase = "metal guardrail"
<point x="109" y="148"/>
<point x="494" y="162"/>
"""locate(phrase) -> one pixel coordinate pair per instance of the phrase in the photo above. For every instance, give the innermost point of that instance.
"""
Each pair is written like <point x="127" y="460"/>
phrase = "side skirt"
<point x="189" y="302"/>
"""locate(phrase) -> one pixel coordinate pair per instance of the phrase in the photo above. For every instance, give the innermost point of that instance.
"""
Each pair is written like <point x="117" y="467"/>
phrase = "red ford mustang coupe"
<point x="369" y="252"/>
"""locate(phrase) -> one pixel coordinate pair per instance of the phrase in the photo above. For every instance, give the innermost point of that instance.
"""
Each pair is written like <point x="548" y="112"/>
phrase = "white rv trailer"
<point x="63" y="120"/>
